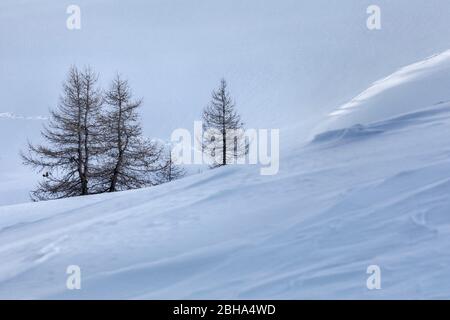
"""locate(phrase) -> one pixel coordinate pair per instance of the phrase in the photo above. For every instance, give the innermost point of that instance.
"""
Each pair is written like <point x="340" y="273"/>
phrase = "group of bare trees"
<point x="94" y="143"/>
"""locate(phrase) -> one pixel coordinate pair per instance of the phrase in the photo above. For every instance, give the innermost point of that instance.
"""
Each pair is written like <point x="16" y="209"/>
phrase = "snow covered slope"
<point x="412" y="87"/>
<point x="370" y="187"/>
<point x="374" y="193"/>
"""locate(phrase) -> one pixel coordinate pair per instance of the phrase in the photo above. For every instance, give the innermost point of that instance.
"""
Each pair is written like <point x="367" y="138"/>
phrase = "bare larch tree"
<point x="130" y="160"/>
<point x="223" y="140"/>
<point x="169" y="170"/>
<point x="71" y="138"/>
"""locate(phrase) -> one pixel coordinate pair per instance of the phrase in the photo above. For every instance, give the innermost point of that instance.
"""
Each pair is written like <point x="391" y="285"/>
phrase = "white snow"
<point x="370" y="186"/>
<point x="368" y="194"/>
<point x="412" y="87"/>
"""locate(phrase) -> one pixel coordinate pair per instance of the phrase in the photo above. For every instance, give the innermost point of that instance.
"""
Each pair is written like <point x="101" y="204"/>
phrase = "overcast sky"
<point x="286" y="61"/>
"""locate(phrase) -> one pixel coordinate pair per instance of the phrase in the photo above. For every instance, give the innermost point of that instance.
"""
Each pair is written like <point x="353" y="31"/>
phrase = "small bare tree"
<point x="130" y="160"/>
<point x="71" y="140"/>
<point x="169" y="170"/>
<point x="224" y="140"/>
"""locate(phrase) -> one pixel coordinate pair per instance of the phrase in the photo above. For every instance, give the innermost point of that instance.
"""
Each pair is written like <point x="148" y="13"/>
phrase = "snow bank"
<point x="422" y="84"/>
<point x="309" y="232"/>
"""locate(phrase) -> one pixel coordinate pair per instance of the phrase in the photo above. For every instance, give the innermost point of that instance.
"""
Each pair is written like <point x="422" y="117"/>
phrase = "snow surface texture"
<point x="411" y="87"/>
<point x="372" y="193"/>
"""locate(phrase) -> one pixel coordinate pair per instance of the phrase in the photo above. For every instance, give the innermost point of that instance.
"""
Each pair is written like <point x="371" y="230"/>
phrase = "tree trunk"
<point x="112" y="187"/>
<point x="224" y="137"/>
